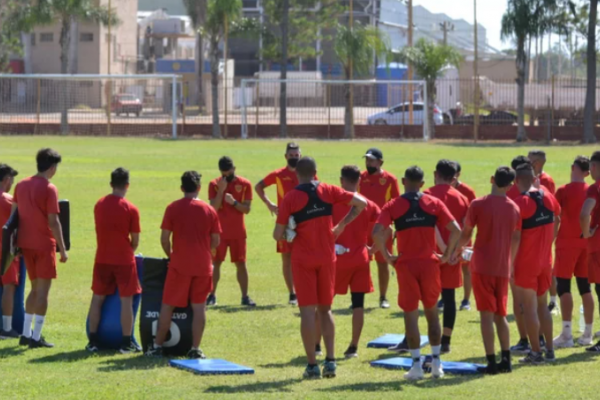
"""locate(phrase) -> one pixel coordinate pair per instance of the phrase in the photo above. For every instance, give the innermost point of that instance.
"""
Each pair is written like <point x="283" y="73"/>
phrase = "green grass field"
<point x="266" y="338"/>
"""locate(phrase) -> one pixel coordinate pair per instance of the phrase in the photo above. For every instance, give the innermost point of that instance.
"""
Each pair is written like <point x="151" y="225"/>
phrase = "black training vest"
<point x="315" y="207"/>
<point x="542" y="216"/>
<point x="415" y="217"/>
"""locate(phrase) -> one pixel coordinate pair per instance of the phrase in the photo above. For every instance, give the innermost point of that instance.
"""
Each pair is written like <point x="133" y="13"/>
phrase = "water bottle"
<point x="290" y="234"/>
<point x="339" y="249"/>
<point x="467" y="254"/>
<point x="581" y="320"/>
<point x="292" y="223"/>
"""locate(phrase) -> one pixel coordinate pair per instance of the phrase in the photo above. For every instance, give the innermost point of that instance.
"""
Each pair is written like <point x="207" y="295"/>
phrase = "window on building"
<point x="86" y="37"/>
<point x="46" y="37"/>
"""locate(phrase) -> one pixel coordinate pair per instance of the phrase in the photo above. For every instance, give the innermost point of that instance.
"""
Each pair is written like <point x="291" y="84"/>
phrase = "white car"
<point x="398" y="115"/>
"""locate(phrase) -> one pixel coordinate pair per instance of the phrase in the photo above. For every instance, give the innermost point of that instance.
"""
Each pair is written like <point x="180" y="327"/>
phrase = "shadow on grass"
<point x="261" y="387"/>
<point x="237" y="309"/>
<point x="71" y="356"/>
<point x="299" y="361"/>
<point x="348" y="311"/>
<point x="133" y="363"/>
<point x="12" y="351"/>
<point x="400" y="314"/>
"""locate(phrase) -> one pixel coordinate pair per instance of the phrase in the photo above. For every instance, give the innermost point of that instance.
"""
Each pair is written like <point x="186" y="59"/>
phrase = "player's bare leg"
<point x="467" y="287"/>
<point x="8" y="295"/>
<point x="318" y="334"/>
<point x="94" y="316"/>
<point x="383" y="274"/>
<point x="545" y="318"/>
<point x="164" y="324"/>
<point x="308" y="332"/>
<point x="532" y="324"/>
<point x="216" y="275"/>
<point x="523" y="346"/>
<point x="198" y="324"/>
<point x="40" y="309"/>
<point x="242" y="277"/>
<point x="286" y="264"/>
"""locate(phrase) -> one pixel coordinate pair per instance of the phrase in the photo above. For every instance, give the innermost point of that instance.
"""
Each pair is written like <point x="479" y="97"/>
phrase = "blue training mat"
<point x="211" y="367"/>
<point x="389" y="340"/>
<point x="450" y="367"/>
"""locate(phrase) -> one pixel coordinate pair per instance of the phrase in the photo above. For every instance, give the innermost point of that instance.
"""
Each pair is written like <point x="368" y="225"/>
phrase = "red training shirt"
<point x="6" y="201"/>
<point x="496" y="219"/>
<point x="285" y="180"/>
<point x="594" y="242"/>
<point x="514" y="191"/>
<point x="192" y="222"/>
<point x="232" y="220"/>
<point x="116" y="218"/>
<point x="456" y="203"/>
<point x="416" y="243"/>
<point x="36" y="198"/>
<point x="535" y="250"/>
<point x="571" y="197"/>
<point x="379" y="188"/>
<point x="547" y="181"/>
<point x="314" y="243"/>
<point x="466" y="191"/>
<point x="356" y="234"/>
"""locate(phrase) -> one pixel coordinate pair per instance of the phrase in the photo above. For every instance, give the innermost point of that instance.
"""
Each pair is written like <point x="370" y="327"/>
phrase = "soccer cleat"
<point x="312" y="372"/>
<point x="401" y="347"/>
<point x="318" y="351"/>
<point x="553" y="308"/>
<point x="383" y="303"/>
<point x="532" y="358"/>
<point x="211" y="300"/>
<point x="550" y="356"/>
<point x="24" y="341"/>
<point x="293" y="300"/>
<point x="504" y="367"/>
<point x="563" y="342"/>
<point x="92" y="347"/>
<point x="440" y="305"/>
<point x="594" y="349"/>
<point x="445" y="348"/>
<point x="154" y="352"/>
<point x="465" y="305"/>
<point x="37" y="344"/>
<point x="128" y="349"/>
<point x="352" y="352"/>
<point x="416" y="373"/>
<point x="490" y="369"/>
<point x="247" y="301"/>
<point x="12" y="334"/>
<point x="585" y="340"/>
<point x="196" y="354"/>
<point x="437" y="371"/>
<point x="329" y="369"/>
<point x="522" y="347"/>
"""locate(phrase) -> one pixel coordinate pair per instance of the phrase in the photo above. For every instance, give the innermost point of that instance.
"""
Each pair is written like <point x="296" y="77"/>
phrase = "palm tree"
<point x="355" y="47"/>
<point x="589" y="113"/>
<point x="196" y="10"/>
<point x="523" y="20"/>
<point x="428" y="59"/>
<point x="219" y="14"/>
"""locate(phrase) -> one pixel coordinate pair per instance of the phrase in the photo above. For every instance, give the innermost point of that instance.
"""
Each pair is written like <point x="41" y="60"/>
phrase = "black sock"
<point x="312" y="365"/>
<point x="327" y="359"/>
<point x="446" y="339"/>
<point x="491" y="359"/>
<point x="505" y="356"/>
<point x="93" y="338"/>
<point x="524" y="340"/>
<point x="126" y="341"/>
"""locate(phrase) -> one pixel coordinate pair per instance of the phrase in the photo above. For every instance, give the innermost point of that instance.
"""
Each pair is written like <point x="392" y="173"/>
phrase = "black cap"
<point x="374" y="154"/>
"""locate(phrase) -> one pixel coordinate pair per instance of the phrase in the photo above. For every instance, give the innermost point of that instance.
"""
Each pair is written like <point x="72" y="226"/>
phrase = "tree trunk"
<point x="521" y="66"/>
<point x="73" y="47"/>
<point x="431" y="95"/>
<point x="214" y="80"/>
<point x="589" y="114"/>
<point x="65" y="42"/>
<point x="284" y="60"/>
<point x="199" y="59"/>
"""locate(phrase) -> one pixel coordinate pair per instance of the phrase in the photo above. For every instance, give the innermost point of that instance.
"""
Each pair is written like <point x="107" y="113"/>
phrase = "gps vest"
<point x="315" y="207"/>
<point x="542" y="216"/>
<point x="415" y="217"/>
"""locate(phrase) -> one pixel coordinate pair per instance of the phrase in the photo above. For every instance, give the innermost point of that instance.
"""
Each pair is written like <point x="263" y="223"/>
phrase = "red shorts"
<point x="451" y="276"/>
<point x="357" y="277"/>
<point x="418" y="280"/>
<point x="378" y="256"/>
<point x="540" y="282"/>
<point x="491" y="293"/>
<point x="108" y="277"/>
<point x="237" y="250"/>
<point x="571" y="262"/>
<point x="315" y="284"/>
<point x="594" y="268"/>
<point x="11" y="277"/>
<point x="181" y="290"/>
<point x="284" y="246"/>
<point x="40" y="263"/>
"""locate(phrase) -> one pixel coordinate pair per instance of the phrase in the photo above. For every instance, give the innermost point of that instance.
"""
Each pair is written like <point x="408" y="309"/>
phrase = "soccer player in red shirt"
<point x="415" y="216"/>
<point x="469" y="193"/>
<point x="231" y="196"/>
<point x="379" y="186"/>
<point x="498" y="223"/>
<point x="589" y="221"/>
<point x="450" y="274"/>
<point x="117" y="236"/>
<point x="313" y="255"/>
<point x="572" y="256"/>
<point x="352" y="266"/>
<point x="40" y="232"/>
<point x="538" y="160"/>
<point x="533" y="265"/>
<point x="10" y="279"/>
<point x="285" y="179"/>
<point x="192" y="226"/>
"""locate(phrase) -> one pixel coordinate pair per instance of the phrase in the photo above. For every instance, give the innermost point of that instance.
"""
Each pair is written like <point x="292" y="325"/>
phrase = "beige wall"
<point x="497" y="70"/>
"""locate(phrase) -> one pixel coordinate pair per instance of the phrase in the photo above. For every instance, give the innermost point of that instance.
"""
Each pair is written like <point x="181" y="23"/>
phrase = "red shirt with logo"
<point x="284" y="179"/>
<point x="379" y="188"/>
<point x="232" y="220"/>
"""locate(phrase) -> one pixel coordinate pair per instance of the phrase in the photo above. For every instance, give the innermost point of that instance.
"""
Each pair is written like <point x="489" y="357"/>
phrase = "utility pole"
<point x="109" y="82"/>
<point x="476" y="74"/>
<point x="410" y="68"/>
<point x="446" y="27"/>
<point x="351" y="70"/>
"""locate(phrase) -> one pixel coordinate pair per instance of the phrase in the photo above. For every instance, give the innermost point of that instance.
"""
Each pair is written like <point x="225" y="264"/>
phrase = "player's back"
<point x="36" y="198"/>
<point x="466" y="191"/>
<point x="453" y="199"/>
<point x="357" y="233"/>
<point x="571" y="197"/>
<point x="115" y="219"/>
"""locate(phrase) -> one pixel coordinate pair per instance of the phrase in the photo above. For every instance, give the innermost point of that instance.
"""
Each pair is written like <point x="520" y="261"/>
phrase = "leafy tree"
<point x="428" y="60"/>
